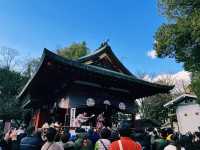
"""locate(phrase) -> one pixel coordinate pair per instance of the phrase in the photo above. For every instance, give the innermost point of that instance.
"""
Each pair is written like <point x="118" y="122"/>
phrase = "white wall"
<point x="188" y="117"/>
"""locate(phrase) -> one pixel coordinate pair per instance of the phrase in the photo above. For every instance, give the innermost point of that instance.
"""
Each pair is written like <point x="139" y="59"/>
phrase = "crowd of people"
<point x="57" y="137"/>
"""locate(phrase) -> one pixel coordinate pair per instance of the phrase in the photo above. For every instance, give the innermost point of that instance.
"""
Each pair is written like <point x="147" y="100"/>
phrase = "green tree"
<point x="180" y="37"/>
<point x="11" y="83"/>
<point x="152" y="107"/>
<point x="74" y="51"/>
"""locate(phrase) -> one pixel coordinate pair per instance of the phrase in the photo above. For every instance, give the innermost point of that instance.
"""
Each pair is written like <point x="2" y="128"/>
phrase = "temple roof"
<point x="55" y="73"/>
<point x="105" y="58"/>
<point x="179" y="99"/>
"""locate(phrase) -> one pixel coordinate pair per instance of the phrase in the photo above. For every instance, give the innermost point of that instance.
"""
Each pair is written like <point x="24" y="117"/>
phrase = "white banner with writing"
<point x="72" y="116"/>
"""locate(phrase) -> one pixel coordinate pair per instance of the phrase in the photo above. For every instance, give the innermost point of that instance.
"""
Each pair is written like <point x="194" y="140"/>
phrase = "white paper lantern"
<point x="107" y="102"/>
<point x="122" y="106"/>
<point x="90" y="102"/>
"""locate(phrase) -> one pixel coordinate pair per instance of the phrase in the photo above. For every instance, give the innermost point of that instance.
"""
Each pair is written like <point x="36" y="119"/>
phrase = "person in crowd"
<point x="57" y="137"/>
<point x="196" y="141"/>
<point x="80" y="119"/>
<point x="51" y="144"/>
<point x="100" y="121"/>
<point x="67" y="145"/>
<point x="150" y="132"/>
<point x="32" y="141"/>
<point x="141" y="137"/>
<point x="188" y="141"/>
<point x="114" y="135"/>
<point x="56" y="126"/>
<point x="160" y="141"/>
<point x="21" y="132"/>
<point x="12" y="143"/>
<point x="93" y="135"/>
<point x="45" y="127"/>
<point x="146" y="140"/>
<point x="169" y="132"/>
<point x="73" y="135"/>
<point x="2" y="142"/>
<point x="125" y="142"/>
<point x="82" y="142"/>
<point x="103" y="143"/>
<point x="175" y="143"/>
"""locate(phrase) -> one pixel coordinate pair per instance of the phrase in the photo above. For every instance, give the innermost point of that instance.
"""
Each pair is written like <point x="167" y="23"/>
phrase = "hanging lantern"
<point x="107" y="102"/>
<point x="122" y="106"/>
<point x="90" y="102"/>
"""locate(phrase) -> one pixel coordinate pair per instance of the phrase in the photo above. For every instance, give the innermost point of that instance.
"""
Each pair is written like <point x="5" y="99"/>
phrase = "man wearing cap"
<point x="125" y="142"/>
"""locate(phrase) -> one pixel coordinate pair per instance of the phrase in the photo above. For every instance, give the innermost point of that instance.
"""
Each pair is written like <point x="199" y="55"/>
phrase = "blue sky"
<point x="29" y="26"/>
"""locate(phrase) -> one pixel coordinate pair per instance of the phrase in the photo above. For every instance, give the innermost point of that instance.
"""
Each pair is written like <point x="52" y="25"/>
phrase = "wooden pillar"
<point x="36" y="118"/>
<point x="40" y="117"/>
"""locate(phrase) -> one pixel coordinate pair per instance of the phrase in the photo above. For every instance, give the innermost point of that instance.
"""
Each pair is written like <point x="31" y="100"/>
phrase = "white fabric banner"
<point x="72" y="116"/>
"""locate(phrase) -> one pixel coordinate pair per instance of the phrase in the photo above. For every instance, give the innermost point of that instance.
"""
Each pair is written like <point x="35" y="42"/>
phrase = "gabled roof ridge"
<point x="105" y="47"/>
<point x="179" y="98"/>
<point x="100" y="49"/>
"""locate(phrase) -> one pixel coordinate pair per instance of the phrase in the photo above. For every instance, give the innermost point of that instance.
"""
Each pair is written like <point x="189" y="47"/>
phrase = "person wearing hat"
<point x="125" y="142"/>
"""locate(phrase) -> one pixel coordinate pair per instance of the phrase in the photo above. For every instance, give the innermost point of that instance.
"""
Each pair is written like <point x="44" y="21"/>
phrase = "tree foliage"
<point x="175" y="9"/>
<point x="74" y="51"/>
<point x="31" y="66"/>
<point x="196" y="83"/>
<point x="152" y="107"/>
<point x="180" y="37"/>
<point x="11" y="83"/>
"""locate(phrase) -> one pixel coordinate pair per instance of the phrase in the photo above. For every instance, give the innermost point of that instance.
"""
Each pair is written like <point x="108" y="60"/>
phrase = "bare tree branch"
<point x="8" y="57"/>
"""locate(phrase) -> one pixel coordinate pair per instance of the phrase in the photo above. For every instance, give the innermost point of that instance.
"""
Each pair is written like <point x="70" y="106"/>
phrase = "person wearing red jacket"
<point x="125" y="142"/>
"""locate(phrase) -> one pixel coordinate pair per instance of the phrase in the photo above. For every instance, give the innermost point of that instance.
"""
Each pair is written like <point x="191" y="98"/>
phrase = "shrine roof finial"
<point x="104" y="43"/>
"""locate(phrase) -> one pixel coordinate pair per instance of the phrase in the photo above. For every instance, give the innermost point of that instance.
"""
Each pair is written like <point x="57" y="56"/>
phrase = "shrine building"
<point x="94" y="83"/>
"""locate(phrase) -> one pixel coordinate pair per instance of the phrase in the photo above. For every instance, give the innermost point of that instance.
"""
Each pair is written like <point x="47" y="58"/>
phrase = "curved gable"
<point x="105" y="58"/>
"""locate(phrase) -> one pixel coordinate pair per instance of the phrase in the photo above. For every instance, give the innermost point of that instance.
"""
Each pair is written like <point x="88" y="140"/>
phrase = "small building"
<point x="95" y="83"/>
<point x="184" y="113"/>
